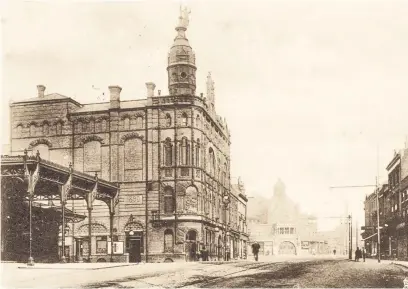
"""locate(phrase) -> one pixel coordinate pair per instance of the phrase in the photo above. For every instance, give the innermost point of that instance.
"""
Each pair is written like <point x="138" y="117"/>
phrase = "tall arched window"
<point x="103" y="125"/>
<point x="126" y="123"/>
<point x="197" y="153"/>
<point x="133" y="157"/>
<point x="92" y="157"/>
<point x="168" y="200"/>
<point x="168" y="241"/>
<point x="191" y="199"/>
<point x="198" y="121"/>
<point x="139" y="122"/>
<point x="184" y="119"/>
<point x="219" y="170"/>
<point x="184" y="152"/>
<point x="168" y="152"/>
<point x="168" y="120"/>
<point x="91" y="125"/>
<point x="211" y="160"/>
<point x="59" y="128"/>
<point x="46" y="128"/>
<point x="32" y="129"/>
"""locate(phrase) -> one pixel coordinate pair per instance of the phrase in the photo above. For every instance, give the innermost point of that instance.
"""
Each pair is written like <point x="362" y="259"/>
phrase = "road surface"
<point x="301" y="273"/>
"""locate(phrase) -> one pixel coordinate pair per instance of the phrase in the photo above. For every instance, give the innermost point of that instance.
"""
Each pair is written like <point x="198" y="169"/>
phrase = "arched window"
<point x="168" y="241"/>
<point x="184" y="152"/>
<point x="91" y="125"/>
<point x="198" y="121"/>
<point x="211" y="160"/>
<point x="219" y="170"/>
<point x="139" y="122"/>
<point x="184" y="119"/>
<point x="191" y="197"/>
<point x="191" y="235"/>
<point x="168" y="120"/>
<point x="168" y="152"/>
<point x="126" y="123"/>
<point x="92" y="157"/>
<point x="19" y="129"/>
<point x="44" y="151"/>
<point x="59" y="128"/>
<point x="168" y="200"/>
<point x="46" y="129"/>
<point x="133" y="158"/>
<point x="32" y="129"/>
<point x="103" y="125"/>
<point x="197" y="153"/>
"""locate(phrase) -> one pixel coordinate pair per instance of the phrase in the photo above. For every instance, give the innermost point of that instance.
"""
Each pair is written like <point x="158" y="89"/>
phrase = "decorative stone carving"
<point x="90" y="138"/>
<point x="40" y="141"/>
<point x="130" y="136"/>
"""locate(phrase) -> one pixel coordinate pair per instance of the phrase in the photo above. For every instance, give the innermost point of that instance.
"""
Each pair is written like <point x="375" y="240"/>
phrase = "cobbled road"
<point x="307" y="273"/>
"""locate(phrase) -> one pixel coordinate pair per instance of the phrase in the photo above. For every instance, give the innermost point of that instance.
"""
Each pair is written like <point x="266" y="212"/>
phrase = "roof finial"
<point x="184" y="17"/>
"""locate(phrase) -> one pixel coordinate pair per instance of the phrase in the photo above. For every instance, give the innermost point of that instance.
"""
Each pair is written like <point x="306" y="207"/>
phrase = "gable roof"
<point x="48" y="97"/>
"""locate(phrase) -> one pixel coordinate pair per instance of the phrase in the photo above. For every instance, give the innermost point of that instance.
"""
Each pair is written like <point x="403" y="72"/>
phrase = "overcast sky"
<point x="308" y="88"/>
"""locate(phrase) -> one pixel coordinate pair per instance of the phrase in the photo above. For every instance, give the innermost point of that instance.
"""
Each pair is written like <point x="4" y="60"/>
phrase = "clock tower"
<point x="181" y="67"/>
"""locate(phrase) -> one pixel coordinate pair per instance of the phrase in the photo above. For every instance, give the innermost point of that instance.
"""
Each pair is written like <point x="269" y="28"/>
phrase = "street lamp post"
<point x="226" y="201"/>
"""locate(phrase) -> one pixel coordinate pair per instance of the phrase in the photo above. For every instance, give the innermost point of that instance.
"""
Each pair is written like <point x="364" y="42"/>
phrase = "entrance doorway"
<point x="134" y="246"/>
<point x="287" y="248"/>
<point x="191" y="246"/>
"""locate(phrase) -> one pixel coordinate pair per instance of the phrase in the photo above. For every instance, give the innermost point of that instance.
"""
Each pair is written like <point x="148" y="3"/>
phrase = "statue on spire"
<point x="184" y="16"/>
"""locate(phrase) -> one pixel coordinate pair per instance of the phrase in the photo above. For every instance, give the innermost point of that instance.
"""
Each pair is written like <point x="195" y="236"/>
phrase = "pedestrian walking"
<point x="357" y="254"/>
<point x="364" y="254"/>
<point x="334" y="252"/>
<point x="255" y="250"/>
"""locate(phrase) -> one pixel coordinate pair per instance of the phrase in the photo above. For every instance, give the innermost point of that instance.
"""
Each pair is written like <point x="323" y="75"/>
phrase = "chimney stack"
<point x="150" y="89"/>
<point x="115" y="96"/>
<point x="41" y="90"/>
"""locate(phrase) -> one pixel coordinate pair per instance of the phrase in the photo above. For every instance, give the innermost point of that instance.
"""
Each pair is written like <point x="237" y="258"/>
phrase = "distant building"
<point x="287" y="231"/>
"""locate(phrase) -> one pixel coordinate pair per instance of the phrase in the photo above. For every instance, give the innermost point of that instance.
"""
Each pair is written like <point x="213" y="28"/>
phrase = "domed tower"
<point x="181" y="67"/>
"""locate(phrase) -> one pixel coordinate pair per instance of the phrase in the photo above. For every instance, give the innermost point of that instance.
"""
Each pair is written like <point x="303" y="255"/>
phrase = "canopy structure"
<point x="30" y="179"/>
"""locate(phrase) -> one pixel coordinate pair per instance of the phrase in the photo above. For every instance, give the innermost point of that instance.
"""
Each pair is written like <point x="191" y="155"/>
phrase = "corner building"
<point x="169" y="154"/>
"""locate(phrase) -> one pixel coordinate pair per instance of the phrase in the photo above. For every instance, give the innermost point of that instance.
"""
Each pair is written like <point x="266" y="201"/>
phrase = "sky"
<point x="314" y="92"/>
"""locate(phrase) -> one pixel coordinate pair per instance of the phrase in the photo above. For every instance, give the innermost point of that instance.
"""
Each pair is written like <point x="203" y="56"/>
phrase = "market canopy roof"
<point x="49" y="179"/>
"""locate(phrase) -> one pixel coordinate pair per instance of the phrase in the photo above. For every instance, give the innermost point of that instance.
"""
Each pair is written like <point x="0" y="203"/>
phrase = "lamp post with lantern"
<point x="226" y="200"/>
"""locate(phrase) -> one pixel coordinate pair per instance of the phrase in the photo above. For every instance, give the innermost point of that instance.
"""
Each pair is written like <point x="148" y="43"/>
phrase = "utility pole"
<point x="350" y="238"/>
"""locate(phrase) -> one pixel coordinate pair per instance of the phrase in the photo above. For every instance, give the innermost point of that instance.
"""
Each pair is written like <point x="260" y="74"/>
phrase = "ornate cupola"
<point x="181" y="67"/>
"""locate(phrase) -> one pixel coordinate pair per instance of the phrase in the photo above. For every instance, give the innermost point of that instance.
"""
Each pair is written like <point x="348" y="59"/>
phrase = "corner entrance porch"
<point x="31" y="224"/>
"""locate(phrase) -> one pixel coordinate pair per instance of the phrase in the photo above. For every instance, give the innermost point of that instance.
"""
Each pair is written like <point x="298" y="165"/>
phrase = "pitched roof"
<point x="48" y="97"/>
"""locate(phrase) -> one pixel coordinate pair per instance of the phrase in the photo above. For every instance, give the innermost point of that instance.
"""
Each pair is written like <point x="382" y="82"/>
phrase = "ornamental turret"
<point x="181" y="67"/>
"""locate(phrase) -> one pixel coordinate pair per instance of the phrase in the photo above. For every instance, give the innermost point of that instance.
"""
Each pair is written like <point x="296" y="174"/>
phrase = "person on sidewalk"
<point x="255" y="250"/>
<point x="358" y="254"/>
<point x="364" y="254"/>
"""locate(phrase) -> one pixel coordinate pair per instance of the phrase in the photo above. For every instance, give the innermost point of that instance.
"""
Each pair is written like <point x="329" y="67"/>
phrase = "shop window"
<point x="101" y="245"/>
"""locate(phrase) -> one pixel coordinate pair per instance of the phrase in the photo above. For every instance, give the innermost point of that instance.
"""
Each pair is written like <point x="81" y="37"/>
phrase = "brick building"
<point x="169" y="154"/>
<point x="393" y="211"/>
